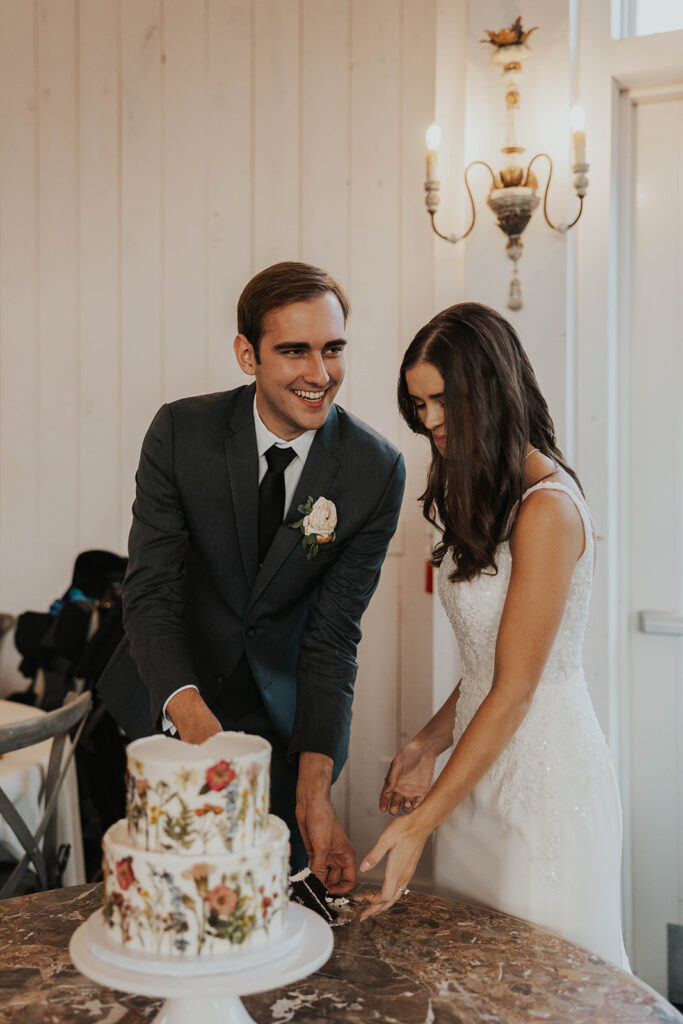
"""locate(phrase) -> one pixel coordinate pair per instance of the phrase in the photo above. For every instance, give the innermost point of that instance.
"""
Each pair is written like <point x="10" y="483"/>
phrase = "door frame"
<point x="644" y="69"/>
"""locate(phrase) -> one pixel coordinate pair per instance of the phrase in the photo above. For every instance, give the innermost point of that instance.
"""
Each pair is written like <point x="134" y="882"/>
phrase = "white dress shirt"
<point x="265" y="439"/>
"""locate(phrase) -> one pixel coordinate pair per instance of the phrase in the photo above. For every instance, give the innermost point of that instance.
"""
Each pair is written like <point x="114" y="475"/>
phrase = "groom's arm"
<point x="326" y="674"/>
<point x="154" y="588"/>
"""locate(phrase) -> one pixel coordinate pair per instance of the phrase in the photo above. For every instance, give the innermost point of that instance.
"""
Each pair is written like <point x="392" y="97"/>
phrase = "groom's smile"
<point x="300" y="364"/>
<point x="313" y="399"/>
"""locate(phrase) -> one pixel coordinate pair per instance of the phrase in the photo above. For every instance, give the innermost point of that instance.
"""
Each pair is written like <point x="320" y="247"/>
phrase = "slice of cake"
<point x="199" y="867"/>
<point x="309" y="891"/>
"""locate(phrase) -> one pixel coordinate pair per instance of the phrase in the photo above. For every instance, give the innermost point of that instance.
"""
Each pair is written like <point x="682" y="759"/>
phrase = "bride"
<point x="527" y="807"/>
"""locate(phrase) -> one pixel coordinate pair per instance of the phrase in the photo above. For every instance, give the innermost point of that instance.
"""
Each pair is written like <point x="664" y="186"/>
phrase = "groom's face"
<point x="301" y="364"/>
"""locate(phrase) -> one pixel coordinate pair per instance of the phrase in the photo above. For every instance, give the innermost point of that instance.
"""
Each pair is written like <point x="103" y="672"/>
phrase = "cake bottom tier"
<point x="195" y="905"/>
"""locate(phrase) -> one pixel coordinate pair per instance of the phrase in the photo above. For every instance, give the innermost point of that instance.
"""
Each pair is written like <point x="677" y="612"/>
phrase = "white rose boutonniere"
<point x="318" y="524"/>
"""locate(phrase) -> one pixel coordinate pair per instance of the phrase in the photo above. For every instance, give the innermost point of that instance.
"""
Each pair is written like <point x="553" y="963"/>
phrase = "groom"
<point x="242" y="611"/>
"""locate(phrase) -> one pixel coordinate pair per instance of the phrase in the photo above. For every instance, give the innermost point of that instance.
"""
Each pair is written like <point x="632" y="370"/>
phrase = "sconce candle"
<point x="579" y="147"/>
<point x="433" y="140"/>
<point x="577" y="121"/>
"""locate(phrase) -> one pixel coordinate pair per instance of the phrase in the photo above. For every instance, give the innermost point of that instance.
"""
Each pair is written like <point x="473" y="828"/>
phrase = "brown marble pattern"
<point x="427" y="961"/>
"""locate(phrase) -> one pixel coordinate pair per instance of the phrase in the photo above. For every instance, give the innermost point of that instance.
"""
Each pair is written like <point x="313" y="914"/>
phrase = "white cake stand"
<point x="206" y="992"/>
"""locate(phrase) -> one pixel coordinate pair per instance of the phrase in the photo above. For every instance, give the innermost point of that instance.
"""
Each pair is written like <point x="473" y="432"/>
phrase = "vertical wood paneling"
<point x="100" y="334"/>
<point x="375" y="712"/>
<point x="375" y="264"/>
<point x="325" y="168"/>
<point x="418" y="85"/>
<point x="214" y="139"/>
<point x="596" y="458"/>
<point x="142" y="323"/>
<point x="416" y="308"/>
<point x="450" y="103"/>
<point x="184" y="195"/>
<point x="375" y="207"/>
<point x="230" y="186"/>
<point x="276" y="114"/>
<point x="19" y="394"/>
<point x="59" y="382"/>
<point x="325" y="176"/>
<point x="451" y="91"/>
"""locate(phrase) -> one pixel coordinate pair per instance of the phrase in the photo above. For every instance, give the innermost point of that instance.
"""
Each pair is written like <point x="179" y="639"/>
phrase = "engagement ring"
<point x="403" y="892"/>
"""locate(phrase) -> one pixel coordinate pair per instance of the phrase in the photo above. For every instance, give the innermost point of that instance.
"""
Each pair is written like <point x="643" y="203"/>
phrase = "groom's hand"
<point x="330" y="853"/>
<point x="192" y="717"/>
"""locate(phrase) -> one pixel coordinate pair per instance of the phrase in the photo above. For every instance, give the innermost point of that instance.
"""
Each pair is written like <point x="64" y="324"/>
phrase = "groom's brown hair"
<point x="278" y="286"/>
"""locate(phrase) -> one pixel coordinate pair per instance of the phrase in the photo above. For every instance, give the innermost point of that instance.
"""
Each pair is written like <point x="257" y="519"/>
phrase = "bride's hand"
<point x="404" y="841"/>
<point x="408" y="780"/>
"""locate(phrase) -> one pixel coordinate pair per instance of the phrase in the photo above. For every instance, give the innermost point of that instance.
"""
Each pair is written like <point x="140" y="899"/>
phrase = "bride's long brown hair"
<point x="493" y="408"/>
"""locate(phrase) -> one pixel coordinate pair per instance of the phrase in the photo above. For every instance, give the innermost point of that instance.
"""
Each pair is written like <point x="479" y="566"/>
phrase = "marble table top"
<point x="426" y="960"/>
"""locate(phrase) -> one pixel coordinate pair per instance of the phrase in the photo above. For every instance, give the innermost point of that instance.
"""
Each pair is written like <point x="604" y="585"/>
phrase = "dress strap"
<point x="582" y="508"/>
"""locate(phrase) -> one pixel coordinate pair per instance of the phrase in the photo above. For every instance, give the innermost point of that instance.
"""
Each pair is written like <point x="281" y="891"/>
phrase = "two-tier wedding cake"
<point x="199" y="868"/>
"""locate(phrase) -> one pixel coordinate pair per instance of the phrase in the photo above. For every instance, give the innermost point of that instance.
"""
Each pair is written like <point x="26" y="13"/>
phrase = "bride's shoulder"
<point x="549" y="521"/>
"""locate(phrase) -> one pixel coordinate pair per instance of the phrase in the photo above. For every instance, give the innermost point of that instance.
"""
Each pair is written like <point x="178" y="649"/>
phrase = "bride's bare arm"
<point x="546" y="542"/>
<point x="437" y="734"/>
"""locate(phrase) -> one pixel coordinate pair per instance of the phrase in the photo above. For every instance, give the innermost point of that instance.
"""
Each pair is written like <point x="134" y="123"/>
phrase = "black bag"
<point x="55" y="645"/>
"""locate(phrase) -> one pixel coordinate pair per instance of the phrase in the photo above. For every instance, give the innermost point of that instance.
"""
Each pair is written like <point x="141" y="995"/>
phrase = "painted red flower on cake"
<point x="218" y="776"/>
<point x="222" y="899"/>
<point x="125" y="875"/>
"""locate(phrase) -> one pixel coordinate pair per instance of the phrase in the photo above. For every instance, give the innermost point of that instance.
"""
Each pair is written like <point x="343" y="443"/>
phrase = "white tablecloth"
<point x="22" y="776"/>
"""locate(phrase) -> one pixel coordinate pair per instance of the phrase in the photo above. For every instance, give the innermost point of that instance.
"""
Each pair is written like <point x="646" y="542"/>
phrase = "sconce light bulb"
<point x="577" y="118"/>
<point x="433" y="136"/>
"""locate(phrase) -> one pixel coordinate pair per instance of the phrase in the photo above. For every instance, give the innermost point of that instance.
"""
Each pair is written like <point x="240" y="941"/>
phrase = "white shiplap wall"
<point x="154" y="154"/>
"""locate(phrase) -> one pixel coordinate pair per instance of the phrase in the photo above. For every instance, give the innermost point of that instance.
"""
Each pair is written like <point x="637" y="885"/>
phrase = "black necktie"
<point x="271" y="504"/>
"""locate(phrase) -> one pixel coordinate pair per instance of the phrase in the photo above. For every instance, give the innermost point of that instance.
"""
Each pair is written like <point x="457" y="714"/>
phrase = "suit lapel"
<point x="318" y="473"/>
<point x="242" y="458"/>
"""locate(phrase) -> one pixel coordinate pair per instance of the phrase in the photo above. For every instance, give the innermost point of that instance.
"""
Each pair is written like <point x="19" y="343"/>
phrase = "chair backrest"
<point x="41" y="846"/>
<point x="16" y="735"/>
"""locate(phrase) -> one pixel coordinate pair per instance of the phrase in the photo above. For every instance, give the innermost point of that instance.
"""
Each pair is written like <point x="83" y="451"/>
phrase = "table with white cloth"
<point x="22" y="776"/>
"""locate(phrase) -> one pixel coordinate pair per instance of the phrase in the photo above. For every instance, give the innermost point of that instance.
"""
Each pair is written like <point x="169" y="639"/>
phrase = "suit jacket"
<point x="194" y="597"/>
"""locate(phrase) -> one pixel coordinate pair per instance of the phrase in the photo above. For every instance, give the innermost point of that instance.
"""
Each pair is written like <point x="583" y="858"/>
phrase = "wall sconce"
<point x="513" y="196"/>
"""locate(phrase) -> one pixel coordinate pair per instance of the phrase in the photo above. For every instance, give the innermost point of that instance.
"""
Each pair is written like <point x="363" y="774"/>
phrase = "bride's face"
<point x="426" y="388"/>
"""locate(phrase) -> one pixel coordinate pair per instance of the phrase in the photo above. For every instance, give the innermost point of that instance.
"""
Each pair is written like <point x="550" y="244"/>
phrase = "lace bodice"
<point x="560" y="738"/>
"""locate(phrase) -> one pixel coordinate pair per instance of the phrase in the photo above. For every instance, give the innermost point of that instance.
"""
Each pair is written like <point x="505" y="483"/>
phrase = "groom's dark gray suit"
<point x="195" y="599"/>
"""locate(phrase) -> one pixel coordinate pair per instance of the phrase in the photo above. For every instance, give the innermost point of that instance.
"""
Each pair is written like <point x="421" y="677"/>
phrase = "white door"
<point x="652" y="351"/>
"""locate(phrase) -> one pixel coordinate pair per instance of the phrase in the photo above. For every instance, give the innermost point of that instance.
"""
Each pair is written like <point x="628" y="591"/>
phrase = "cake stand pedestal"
<point x="195" y="996"/>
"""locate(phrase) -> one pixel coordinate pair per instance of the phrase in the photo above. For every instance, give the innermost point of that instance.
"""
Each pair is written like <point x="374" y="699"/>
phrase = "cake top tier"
<point x="190" y="799"/>
<point x="224" y="746"/>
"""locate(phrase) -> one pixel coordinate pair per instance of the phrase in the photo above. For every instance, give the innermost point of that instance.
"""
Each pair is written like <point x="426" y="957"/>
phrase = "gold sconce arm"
<point x="432" y="202"/>
<point x="580" y="185"/>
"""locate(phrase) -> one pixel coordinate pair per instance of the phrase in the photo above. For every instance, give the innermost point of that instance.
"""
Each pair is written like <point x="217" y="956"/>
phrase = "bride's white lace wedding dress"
<point x="539" y="836"/>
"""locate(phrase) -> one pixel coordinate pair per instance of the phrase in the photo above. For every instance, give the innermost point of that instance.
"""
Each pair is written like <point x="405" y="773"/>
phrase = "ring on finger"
<point x="403" y="891"/>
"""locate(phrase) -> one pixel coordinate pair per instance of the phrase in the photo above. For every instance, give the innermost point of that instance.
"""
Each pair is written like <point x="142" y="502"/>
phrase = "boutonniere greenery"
<point x="318" y="524"/>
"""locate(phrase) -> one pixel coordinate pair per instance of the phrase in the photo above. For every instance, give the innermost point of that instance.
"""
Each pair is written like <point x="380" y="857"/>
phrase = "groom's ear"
<point x="245" y="355"/>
